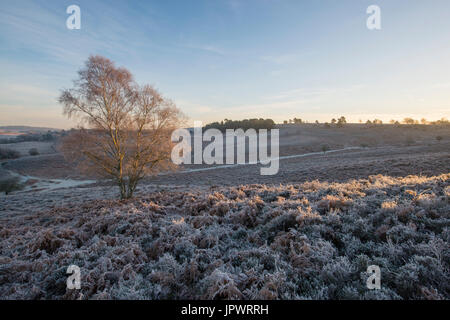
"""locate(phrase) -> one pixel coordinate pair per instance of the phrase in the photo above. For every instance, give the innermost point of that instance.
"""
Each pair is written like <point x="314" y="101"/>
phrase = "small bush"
<point x="8" y="154"/>
<point x="33" y="152"/>
<point x="325" y="148"/>
<point x="10" y="185"/>
<point x="439" y="138"/>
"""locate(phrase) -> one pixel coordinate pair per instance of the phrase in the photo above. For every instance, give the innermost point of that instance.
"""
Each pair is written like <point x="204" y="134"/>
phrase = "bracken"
<point x="239" y="243"/>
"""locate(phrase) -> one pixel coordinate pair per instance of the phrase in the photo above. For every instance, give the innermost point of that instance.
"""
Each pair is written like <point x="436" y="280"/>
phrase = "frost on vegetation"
<point x="308" y="241"/>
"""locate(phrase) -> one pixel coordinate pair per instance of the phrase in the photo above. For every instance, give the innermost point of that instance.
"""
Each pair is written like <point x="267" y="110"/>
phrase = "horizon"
<point x="305" y="121"/>
<point x="240" y="59"/>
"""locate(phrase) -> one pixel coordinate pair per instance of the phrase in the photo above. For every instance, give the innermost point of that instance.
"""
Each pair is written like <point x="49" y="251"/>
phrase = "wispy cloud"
<point x="208" y="48"/>
<point x="43" y="30"/>
<point x="23" y="94"/>
<point x="311" y="93"/>
<point x="286" y="58"/>
<point x="49" y="116"/>
<point x="24" y="90"/>
<point x="236" y="6"/>
<point x="281" y="59"/>
<point x="194" y="108"/>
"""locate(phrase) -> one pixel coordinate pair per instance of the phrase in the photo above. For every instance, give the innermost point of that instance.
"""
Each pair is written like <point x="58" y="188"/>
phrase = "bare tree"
<point x="128" y="126"/>
<point x="341" y="121"/>
<point x="377" y="122"/>
<point x="409" y="121"/>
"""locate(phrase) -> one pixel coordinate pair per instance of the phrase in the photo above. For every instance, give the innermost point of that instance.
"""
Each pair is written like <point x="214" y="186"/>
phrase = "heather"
<point x="312" y="240"/>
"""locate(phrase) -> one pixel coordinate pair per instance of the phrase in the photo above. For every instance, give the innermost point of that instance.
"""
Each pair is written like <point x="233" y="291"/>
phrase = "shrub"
<point x="245" y="124"/>
<point x="10" y="184"/>
<point x="341" y="121"/>
<point x="8" y="154"/>
<point x="33" y="152"/>
<point x="439" y="138"/>
<point x="313" y="240"/>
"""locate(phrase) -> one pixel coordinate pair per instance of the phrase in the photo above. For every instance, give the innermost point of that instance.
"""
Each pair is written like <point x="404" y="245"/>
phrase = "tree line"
<point x="340" y="122"/>
<point x="241" y="124"/>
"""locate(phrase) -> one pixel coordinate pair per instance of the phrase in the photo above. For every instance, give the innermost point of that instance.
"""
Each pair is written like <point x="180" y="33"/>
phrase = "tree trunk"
<point x="132" y="183"/>
<point x="123" y="189"/>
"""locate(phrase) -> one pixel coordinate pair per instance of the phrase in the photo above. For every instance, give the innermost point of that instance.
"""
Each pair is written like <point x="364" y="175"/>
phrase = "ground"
<point x="303" y="241"/>
<point x="229" y="233"/>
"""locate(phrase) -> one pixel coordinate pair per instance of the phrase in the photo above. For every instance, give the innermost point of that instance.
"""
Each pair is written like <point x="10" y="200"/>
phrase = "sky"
<point x="235" y="59"/>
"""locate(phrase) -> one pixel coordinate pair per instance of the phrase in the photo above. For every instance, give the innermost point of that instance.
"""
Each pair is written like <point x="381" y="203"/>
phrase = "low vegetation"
<point x="242" y="124"/>
<point x="325" y="148"/>
<point x="406" y="122"/>
<point x="33" y="152"/>
<point x="46" y="137"/>
<point x="304" y="241"/>
<point x="8" y="154"/>
<point x="8" y="185"/>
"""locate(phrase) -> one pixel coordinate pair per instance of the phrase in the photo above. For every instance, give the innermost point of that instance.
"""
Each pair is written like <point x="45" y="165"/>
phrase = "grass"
<point x="313" y="240"/>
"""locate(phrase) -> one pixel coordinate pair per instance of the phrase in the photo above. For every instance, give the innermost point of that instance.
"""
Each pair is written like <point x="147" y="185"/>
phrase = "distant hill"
<point x="26" y="129"/>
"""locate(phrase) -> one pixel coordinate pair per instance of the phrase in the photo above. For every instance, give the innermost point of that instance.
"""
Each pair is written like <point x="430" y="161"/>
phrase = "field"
<point x="380" y="196"/>
<point x="24" y="147"/>
<point x="394" y="150"/>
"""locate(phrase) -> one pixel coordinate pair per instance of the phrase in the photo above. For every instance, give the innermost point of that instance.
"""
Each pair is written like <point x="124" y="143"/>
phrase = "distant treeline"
<point x="242" y="124"/>
<point x="48" y="136"/>
<point x="340" y="122"/>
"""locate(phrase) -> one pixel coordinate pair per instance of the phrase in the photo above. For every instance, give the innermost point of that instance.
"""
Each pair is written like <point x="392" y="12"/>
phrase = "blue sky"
<point x="310" y="59"/>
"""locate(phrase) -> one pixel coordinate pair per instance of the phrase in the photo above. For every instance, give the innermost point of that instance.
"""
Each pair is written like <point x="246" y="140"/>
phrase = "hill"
<point x="26" y="129"/>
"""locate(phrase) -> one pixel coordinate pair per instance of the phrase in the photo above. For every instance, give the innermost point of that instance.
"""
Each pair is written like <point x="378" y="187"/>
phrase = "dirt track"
<point x="339" y="166"/>
<point x="380" y="151"/>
